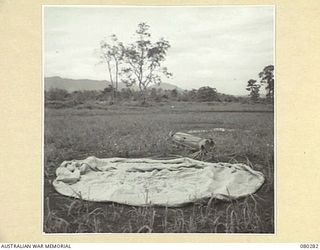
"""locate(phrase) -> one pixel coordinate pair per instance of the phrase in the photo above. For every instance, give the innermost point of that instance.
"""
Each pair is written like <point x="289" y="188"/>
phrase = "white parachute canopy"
<point x="145" y="181"/>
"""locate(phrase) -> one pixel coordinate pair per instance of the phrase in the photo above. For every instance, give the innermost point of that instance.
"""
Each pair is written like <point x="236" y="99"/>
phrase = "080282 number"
<point x="309" y="246"/>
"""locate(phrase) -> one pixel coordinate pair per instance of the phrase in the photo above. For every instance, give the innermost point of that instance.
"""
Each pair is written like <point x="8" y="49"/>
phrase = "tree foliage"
<point x="111" y="53"/>
<point x="267" y="77"/>
<point x="174" y="93"/>
<point x="62" y="98"/>
<point x="137" y="63"/>
<point x="207" y="94"/>
<point x="254" y="88"/>
<point x="143" y="60"/>
<point x="57" y="94"/>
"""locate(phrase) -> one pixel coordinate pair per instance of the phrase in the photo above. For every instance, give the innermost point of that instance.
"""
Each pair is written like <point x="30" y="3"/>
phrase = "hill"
<point x="72" y="84"/>
<point x="86" y="84"/>
<point x="166" y="86"/>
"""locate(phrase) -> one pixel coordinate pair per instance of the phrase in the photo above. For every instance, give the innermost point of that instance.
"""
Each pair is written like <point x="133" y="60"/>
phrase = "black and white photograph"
<point x="158" y="119"/>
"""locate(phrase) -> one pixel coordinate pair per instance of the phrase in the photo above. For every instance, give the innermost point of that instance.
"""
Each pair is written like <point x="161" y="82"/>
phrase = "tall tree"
<point x="267" y="77"/>
<point x="143" y="60"/>
<point x="254" y="88"/>
<point x="112" y="55"/>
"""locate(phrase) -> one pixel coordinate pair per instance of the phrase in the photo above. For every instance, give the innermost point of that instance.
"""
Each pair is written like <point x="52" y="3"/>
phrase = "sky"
<point x="221" y="47"/>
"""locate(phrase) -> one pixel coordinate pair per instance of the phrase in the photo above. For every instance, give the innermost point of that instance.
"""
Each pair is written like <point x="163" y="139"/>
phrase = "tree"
<point x="56" y="94"/>
<point x="192" y="95"/>
<point x="108" y="93"/>
<point x="143" y="60"/>
<point x="154" y="94"/>
<point x="126" y="93"/>
<point x="207" y="94"/>
<point x="254" y="88"/>
<point x="174" y="93"/>
<point x="112" y="55"/>
<point x="267" y="77"/>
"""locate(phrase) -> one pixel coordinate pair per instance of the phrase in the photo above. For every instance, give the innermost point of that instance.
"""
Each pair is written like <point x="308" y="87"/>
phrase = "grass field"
<point x="134" y="131"/>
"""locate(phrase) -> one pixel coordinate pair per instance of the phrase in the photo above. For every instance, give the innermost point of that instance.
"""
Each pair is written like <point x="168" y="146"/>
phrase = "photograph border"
<point x="296" y="120"/>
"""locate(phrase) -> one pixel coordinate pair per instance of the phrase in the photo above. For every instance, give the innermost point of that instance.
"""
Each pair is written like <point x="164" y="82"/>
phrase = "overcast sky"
<point x="221" y="47"/>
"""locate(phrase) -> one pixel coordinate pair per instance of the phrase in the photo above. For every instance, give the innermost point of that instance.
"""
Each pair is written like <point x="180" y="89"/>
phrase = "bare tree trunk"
<point x="116" y="78"/>
<point x="111" y="80"/>
<point x="117" y="73"/>
<point x="142" y="93"/>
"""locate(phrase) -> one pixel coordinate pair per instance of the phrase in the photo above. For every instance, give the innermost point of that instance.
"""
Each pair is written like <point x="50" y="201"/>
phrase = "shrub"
<point x="56" y="94"/>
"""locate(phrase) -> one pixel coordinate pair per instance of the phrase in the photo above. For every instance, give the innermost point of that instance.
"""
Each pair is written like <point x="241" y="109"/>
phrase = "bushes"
<point x="60" y="104"/>
<point x="56" y="94"/>
<point x="81" y="97"/>
<point x="207" y="94"/>
<point x="60" y="98"/>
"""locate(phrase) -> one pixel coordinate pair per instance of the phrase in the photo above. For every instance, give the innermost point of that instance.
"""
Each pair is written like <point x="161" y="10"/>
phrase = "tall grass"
<point x="143" y="132"/>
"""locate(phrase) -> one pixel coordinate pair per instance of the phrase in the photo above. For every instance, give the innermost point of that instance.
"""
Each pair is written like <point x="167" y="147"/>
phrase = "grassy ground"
<point x="133" y="131"/>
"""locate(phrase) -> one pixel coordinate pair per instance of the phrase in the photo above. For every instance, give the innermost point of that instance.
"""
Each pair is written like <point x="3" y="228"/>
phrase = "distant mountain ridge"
<point x="86" y="84"/>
